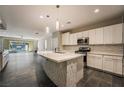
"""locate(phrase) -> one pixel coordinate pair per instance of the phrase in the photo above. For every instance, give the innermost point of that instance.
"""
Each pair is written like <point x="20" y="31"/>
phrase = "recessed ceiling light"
<point x="41" y="17"/>
<point x="47" y="30"/>
<point x="96" y="10"/>
<point x="36" y="33"/>
<point x="68" y="22"/>
<point x="47" y="16"/>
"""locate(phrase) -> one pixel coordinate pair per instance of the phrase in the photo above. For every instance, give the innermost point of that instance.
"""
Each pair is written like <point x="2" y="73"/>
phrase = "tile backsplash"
<point x="99" y="48"/>
<point x="108" y="48"/>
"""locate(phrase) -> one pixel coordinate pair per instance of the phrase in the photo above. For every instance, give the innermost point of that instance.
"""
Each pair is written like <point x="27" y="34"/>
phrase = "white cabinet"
<point x="94" y="61"/>
<point x="113" y="34"/>
<point x="112" y="64"/>
<point x="117" y="65"/>
<point x="74" y="36"/>
<point x="79" y="35"/>
<point x="96" y="36"/>
<point x="108" y="35"/>
<point x="90" y="60"/>
<point x="98" y="61"/>
<point x="92" y="36"/>
<point x="85" y="34"/>
<point x="73" y="39"/>
<point x="4" y="58"/>
<point x="99" y="36"/>
<point x="65" y="38"/>
<point x="104" y="62"/>
<point x="108" y="63"/>
<point x="117" y="34"/>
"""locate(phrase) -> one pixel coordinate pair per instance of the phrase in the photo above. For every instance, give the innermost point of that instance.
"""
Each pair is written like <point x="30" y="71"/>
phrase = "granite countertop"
<point x="59" y="57"/>
<point x="105" y="53"/>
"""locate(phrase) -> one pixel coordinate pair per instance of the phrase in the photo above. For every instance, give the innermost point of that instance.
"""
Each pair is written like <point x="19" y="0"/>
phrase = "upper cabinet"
<point x="96" y="36"/>
<point x="113" y="34"/>
<point x="65" y="38"/>
<point x="79" y="35"/>
<point x="69" y="39"/>
<point x="108" y="35"/>
<point x="92" y="36"/>
<point x="73" y="39"/>
<point x="105" y="35"/>
<point x="85" y="34"/>
<point x="117" y="34"/>
<point x="99" y="36"/>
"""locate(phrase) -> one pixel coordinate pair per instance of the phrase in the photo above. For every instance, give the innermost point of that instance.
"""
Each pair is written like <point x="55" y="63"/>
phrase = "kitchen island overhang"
<point x="64" y="69"/>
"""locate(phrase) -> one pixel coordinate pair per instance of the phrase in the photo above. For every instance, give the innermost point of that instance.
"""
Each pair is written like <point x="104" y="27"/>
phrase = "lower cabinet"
<point x="107" y="63"/>
<point x="94" y="61"/>
<point x="4" y="58"/>
<point x="118" y="66"/>
<point x="112" y="64"/>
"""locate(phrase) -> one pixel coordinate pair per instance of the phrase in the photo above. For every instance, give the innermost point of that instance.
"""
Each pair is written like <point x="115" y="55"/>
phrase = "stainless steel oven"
<point x="83" y="41"/>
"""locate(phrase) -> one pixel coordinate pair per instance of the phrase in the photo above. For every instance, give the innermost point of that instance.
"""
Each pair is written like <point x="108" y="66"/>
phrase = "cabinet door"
<point x="90" y="60"/>
<point x="63" y="39"/>
<point x="117" y="34"/>
<point x="67" y="38"/>
<point x="94" y="61"/>
<point x="85" y="33"/>
<point x="92" y="37"/>
<point x="79" y="35"/>
<point x="74" y="39"/>
<point x="118" y="65"/>
<point x="98" y="61"/>
<point x="108" y="63"/>
<point x="71" y="39"/>
<point x="107" y="35"/>
<point x="99" y="36"/>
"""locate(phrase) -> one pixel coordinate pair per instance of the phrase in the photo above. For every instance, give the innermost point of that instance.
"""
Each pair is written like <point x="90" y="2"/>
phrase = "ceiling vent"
<point x="2" y="24"/>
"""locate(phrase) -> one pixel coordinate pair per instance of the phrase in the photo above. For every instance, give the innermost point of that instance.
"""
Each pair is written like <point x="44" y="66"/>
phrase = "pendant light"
<point x="57" y="21"/>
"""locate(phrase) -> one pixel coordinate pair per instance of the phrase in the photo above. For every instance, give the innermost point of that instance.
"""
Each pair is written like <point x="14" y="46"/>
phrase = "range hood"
<point x="2" y="24"/>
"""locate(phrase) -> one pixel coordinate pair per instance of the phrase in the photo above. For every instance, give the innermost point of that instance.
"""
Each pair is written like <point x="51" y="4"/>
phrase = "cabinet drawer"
<point x="112" y="64"/>
<point x="108" y="65"/>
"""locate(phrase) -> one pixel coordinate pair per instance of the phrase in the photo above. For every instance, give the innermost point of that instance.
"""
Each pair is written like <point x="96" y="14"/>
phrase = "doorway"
<point x="18" y="46"/>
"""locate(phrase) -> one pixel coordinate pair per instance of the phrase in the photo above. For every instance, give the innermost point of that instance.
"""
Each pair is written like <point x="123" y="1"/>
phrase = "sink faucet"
<point x="56" y="50"/>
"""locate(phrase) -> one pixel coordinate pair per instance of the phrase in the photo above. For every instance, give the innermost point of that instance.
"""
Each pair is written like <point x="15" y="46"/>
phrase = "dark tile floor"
<point x="94" y="78"/>
<point x="25" y="70"/>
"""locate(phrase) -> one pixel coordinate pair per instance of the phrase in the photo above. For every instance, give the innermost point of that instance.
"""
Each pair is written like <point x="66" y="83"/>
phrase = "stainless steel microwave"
<point x="83" y="41"/>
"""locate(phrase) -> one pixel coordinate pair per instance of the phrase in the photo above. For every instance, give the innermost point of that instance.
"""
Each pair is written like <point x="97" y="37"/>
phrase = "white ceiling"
<point x="26" y="21"/>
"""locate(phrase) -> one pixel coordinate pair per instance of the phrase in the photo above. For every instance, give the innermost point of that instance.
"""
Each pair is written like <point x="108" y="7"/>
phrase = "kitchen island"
<point x="64" y="69"/>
